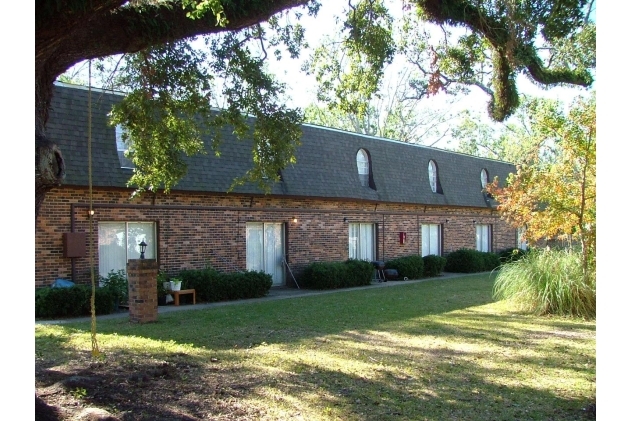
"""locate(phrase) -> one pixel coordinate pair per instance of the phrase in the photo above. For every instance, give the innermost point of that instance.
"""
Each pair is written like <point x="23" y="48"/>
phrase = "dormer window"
<point x="432" y="171"/>
<point x="122" y="148"/>
<point x="484" y="178"/>
<point x="363" y="167"/>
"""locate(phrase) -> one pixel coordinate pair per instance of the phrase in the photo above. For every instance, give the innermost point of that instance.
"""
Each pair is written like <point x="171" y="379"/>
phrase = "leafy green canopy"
<point x="171" y="85"/>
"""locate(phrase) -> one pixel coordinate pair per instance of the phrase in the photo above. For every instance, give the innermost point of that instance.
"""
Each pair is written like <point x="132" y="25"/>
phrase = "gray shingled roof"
<point x="326" y="161"/>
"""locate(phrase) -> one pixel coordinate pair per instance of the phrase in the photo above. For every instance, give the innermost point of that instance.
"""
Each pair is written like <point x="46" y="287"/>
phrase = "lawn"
<point x="435" y="350"/>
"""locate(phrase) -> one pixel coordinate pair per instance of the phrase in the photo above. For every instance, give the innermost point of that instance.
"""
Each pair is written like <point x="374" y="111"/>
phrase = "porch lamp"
<point x="143" y="247"/>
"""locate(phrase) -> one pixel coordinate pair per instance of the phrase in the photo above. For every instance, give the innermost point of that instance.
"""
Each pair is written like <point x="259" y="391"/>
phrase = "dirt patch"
<point x="131" y="388"/>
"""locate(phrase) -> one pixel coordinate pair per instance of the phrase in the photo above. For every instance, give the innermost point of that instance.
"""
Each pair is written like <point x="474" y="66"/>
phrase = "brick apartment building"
<point x="348" y="195"/>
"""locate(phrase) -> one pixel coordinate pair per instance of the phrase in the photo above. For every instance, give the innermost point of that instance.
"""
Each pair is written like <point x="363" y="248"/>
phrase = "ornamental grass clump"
<point x="548" y="282"/>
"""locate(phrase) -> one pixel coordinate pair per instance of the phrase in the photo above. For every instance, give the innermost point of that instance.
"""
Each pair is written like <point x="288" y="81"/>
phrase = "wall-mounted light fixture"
<point x="143" y="247"/>
<point x="295" y="220"/>
<point x="345" y="219"/>
<point x="446" y="221"/>
<point x="474" y="221"/>
<point x="90" y="212"/>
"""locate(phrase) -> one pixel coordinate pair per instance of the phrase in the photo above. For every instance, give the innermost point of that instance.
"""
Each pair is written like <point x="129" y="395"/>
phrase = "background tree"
<point x="513" y="140"/>
<point x="68" y="32"/>
<point x="393" y="113"/>
<point x="555" y="196"/>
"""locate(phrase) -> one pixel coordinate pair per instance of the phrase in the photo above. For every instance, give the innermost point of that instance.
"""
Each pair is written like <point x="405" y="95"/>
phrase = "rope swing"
<point x="95" y="345"/>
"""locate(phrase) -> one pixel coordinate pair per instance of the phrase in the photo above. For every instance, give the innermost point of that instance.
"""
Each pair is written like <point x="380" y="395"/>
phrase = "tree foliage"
<point x="555" y="196"/>
<point x="170" y="81"/>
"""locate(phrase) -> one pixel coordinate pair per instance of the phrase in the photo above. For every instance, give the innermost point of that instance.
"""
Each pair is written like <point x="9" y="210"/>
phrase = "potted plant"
<point x="163" y="281"/>
<point x="176" y="284"/>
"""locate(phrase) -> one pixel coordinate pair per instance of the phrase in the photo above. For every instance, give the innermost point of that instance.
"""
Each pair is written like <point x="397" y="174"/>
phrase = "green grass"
<point x="436" y="350"/>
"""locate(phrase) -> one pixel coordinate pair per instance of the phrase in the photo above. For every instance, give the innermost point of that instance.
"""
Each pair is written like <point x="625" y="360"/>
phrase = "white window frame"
<point x="484" y="178"/>
<point x="124" y="250"/>
<point x="433" y="175"/>
<point x="431" y="241"/>
<point x="122" y="148"/>
<point x="362" y="239"/>
<point x="483" y="237"/>
<point x="363" y="167"/>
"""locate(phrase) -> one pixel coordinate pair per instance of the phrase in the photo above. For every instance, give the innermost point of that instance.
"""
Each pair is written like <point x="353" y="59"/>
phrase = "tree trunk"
<point x="50" y="168"/>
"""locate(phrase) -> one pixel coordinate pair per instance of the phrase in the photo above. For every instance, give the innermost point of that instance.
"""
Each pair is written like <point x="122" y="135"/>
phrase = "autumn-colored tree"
<point x="554" y="195"/>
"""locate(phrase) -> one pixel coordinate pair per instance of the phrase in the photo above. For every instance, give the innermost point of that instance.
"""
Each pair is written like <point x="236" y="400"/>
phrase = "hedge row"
<point x="434" y="265"/>
<point x="411" y="267"/>
<point x="73" y="301"/>
<point x="211" y="285"/>
<point x="471" y="261"/>
<point x="332" y="275"/>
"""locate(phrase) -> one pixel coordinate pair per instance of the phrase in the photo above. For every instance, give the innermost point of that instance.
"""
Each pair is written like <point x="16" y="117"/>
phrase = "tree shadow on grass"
<point x="398" y="378"/>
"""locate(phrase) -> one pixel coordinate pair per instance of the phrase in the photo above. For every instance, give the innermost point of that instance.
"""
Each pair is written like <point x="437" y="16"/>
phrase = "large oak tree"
<point x="152" y="31"/>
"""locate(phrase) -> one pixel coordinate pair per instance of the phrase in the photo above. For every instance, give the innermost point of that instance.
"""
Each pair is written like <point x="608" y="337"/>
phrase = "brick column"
<point x="142" y="276"/>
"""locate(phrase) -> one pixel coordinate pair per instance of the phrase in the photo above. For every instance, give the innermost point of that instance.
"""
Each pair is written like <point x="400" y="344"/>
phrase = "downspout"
<point x="72" y="262"/>
<point x="383" y="237"/>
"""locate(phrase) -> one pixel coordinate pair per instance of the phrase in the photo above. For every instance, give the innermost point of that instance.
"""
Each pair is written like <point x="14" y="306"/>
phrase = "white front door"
<point x="265" y="250"/>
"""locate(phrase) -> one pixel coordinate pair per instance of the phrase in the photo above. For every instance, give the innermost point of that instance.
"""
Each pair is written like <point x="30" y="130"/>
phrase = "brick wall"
<point x="194" y="230"/>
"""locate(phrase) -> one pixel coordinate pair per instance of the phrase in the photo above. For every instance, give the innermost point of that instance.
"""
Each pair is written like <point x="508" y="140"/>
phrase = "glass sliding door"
<point x="430" y="239"/>
<point x="361" y="241"/>
<point x="265" y="249"/>
<point x="483" y="238"/>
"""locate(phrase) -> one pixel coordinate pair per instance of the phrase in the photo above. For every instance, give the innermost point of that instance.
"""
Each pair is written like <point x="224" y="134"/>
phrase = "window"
<point x="118" y="242"/>
<point x="122" y="148"/>
<point x="264" y="249"/>
<point x="521" y="242"/>
<point x="361" y="241"/>
<point x="484" y="178"/>
<point x="430" y="239"/>
<point x="433" y="175"/>
<point x="363" y="167"/>
<point x="483" y="237"/>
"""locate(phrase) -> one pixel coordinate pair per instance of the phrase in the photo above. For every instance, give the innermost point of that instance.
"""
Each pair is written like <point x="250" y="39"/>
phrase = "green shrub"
<point x="72" y="302"/>
<point x="204" y="281"/>
<point x="211" y="285"/>
<point x="411" y="267"/>
<point x="116" y="281"/>
<point x="434" y="265"/>
<point x="465" y="261"/>
<point x="491" y="261"/>
<point x="357" y="273"/>
<point x="332" y="275"/>
<point x="548" y="282"/>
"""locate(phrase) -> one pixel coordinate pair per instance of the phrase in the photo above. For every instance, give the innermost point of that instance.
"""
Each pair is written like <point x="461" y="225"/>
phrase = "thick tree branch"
<point x="89" y="34"/>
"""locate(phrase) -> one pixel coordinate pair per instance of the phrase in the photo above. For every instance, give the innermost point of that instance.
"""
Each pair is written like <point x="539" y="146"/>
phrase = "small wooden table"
<point x="176" y="295"/>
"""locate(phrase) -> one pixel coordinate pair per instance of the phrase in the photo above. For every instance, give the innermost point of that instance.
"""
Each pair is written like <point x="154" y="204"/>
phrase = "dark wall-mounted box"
<point x="74" y="244"/>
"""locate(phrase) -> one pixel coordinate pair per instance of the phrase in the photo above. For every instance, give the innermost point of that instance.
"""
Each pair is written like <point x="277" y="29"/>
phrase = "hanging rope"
<point x="95" y="345"/>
